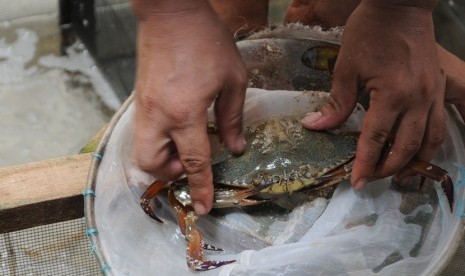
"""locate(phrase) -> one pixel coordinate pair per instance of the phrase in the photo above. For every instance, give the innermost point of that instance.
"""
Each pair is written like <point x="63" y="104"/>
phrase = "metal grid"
<point x="54" y="249"/>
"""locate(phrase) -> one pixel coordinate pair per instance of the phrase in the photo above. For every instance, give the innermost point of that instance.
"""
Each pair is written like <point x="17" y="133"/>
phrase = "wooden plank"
<point x="42" y="192"/>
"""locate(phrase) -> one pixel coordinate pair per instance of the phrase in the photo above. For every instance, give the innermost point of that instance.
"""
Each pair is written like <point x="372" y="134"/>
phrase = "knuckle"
<point x="195" y="164"/>
<point x="231" y="124"/>
<point x="334" y="103"/>
<point x="241" y="77"/>
<point x="385" y="170"/>
<point x="437" y="138"/>
<point x="199" y="190"/>
<point x="411" y="148"/>
<point x="147" y="164"/>
<point x="179" y="116"/>
<point x="378" y="137"/>
<point x="366" y="159"/>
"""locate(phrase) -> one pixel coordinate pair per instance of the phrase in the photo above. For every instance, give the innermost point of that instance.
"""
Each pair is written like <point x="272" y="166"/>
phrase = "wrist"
<point x="400" y="17"/>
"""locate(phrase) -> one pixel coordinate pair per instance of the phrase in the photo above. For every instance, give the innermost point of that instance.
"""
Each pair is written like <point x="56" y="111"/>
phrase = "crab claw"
<point x="436" y="173"/>
<point x="197" y="265"/>
<point x="150" y="193"/>
<point x="181" y="214"/>
<point x="194" y="256"/>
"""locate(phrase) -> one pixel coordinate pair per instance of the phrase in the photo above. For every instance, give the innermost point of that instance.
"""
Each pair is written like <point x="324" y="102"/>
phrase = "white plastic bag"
<point x="380" y="232"/>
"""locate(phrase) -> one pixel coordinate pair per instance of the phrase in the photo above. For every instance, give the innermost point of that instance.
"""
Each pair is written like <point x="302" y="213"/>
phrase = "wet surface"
<point x="50" y="104"/>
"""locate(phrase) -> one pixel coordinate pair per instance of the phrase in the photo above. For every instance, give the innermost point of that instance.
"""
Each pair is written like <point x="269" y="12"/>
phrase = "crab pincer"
<point x="194" y="257"/>
<point x="438" y="174"/>
<point x="186" y="218"/>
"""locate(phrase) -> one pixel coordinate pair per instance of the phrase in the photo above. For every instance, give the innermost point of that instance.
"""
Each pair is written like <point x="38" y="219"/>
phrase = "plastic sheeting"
<point x="380" y="231"/>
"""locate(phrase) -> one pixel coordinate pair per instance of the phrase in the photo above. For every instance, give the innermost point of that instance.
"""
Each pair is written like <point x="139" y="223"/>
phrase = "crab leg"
<point x="186" y="219"/>
<point x="195" y="246"/>
<point x="423" y="168"/>
<point x="181" y="214"/>
<point x="335" y="176"/>
<point x="436" y="173"/>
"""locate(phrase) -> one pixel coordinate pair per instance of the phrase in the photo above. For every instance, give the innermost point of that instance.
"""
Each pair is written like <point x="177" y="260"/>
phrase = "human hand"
<point x="454" y="69"/>
<point x="187" y="60"/>
<point x="388" y="50"/>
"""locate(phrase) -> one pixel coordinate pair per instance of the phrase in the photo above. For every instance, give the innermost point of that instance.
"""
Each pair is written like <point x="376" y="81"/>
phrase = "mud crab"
<point x="281" y="157"/>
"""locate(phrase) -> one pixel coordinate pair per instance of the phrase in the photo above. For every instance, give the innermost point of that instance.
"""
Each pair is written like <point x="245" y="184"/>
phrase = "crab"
<point x="281" y="157"/>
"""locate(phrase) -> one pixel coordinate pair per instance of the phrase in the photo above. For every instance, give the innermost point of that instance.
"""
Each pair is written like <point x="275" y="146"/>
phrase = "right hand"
<point x="186" y="60"/>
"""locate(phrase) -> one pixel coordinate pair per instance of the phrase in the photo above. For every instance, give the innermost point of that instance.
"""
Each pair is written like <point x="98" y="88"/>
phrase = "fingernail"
<point x="311" y="118"/>
<point x="199" y="208"/>
<point x="360" y="183"/>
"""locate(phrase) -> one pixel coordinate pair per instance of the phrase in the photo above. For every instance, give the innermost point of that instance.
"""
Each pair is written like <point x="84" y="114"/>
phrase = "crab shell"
<point x="280" y="154"/>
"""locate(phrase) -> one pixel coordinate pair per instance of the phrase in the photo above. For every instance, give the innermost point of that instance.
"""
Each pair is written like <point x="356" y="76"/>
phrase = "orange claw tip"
<point x="147" y="196"/>
<point x="197" y="265"/>
<point x="145" y="204"/>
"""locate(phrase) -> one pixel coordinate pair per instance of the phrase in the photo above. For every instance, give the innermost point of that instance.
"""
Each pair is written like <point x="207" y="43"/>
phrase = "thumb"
<point x="340" y="105"/>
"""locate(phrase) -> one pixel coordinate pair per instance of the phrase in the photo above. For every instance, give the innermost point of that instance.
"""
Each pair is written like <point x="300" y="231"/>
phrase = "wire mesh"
<point x="456" y="266"/>
<point x="54" y="249"/>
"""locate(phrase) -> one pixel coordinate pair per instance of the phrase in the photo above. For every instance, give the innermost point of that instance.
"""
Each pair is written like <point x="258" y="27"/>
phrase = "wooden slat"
<point x="42" y="192"/>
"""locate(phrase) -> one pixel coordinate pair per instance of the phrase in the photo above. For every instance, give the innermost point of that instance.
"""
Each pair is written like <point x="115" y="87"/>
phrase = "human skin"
<point x="395" y="23"/>
<point x="187" y="59"/>
<point x="242" y="16"/>
<point x="454" y="69"/>
<point x="389" y="51"/>
<point x="325" y="13"/>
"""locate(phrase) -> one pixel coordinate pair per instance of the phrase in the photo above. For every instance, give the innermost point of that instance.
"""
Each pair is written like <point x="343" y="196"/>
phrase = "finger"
<point x="435" y="128"/>
<point x="433" y="138"/>
<point x="407" y="142"/>
<point x="194" y="152"/>
<point x="340" y="104"/>
<point x="228" y="111"/>
<point x="154" y="151"/>
<point x="435" y="133"/>
<point x="376" y="129"/>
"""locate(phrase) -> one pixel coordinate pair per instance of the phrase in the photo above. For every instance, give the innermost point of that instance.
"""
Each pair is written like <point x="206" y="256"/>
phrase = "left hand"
<point x="389" y="51"/>
<point x="454" y="68"/>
